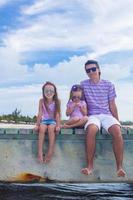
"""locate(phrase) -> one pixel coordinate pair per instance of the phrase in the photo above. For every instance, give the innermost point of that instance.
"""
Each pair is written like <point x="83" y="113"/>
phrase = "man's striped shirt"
<point x="98" y="95"/>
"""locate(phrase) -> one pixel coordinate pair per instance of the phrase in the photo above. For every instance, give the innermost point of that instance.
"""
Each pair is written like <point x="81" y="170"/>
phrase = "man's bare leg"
<point x="115" y="131"/>
<point x="90" y="148"/>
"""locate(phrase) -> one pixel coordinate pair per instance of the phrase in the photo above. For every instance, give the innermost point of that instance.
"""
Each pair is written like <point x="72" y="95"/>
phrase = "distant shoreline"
<point x="18" y="126"/>
<point x="31" y="126"/>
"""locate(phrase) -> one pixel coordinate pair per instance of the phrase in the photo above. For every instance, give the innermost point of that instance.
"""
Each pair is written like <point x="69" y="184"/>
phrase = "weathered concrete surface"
<point x="18" y="157"/>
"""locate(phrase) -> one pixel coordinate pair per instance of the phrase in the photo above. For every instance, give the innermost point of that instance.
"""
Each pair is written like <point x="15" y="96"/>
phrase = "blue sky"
<point x="51" y="40"/>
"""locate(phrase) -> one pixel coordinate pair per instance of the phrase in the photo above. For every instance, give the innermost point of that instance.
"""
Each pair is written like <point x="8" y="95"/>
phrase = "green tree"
<point x="16" y="115"/>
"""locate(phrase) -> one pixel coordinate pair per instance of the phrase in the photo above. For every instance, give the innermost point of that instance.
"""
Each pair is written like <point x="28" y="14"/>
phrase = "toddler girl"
<point x="76" y="108"/>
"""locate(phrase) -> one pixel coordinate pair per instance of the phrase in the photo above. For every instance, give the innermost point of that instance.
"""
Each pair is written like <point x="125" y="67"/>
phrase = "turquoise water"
<point x="99" y="191"/>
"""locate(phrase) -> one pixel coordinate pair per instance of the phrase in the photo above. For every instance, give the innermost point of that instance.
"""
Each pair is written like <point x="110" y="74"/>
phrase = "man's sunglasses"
<point x="93" y="69"/>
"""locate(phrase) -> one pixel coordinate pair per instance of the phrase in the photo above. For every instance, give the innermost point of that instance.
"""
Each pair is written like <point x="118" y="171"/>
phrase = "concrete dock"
<point x="18" y="157"/>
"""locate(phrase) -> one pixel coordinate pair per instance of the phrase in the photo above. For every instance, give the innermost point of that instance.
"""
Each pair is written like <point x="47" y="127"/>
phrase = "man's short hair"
<point x="92" y="62"/>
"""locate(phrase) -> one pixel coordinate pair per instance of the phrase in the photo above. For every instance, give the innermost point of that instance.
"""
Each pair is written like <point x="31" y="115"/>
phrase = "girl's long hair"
<point x="55" y="99"/>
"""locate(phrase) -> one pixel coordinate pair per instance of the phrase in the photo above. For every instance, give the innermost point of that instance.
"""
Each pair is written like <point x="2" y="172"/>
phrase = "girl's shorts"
<point x="48" y="121"/>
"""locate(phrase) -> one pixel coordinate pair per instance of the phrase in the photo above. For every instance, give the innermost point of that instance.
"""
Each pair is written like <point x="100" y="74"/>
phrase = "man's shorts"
<point x="48" y="121"/>
<point x="102" y="120"/>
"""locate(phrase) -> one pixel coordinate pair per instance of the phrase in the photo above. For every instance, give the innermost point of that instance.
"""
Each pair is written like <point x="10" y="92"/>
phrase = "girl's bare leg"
<point x="51" y="136"/>
<point x="42" y="131"/>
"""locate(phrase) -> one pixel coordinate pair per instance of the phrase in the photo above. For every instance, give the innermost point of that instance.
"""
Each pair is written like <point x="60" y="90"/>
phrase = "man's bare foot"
<point x="121" y="173"/>
<point x="86" y="171"/>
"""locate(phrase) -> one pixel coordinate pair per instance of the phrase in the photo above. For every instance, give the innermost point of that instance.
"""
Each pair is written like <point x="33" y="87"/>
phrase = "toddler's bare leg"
<point x="80" y="122"/>
<point x="71" y="122"/>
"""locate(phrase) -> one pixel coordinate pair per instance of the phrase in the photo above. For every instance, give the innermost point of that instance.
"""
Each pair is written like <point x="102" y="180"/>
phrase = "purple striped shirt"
<point x="98" y="95"/>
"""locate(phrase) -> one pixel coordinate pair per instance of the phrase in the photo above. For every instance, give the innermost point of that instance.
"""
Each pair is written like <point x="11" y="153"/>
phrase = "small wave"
<point x="93" y="191"/>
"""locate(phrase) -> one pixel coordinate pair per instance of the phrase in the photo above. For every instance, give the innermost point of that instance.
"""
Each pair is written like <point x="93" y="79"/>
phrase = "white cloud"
<point x="102" y="26"/>
<point x="42" y="6"/>
<point x="64" y="73"/>
<point x="48" y="33"/>
<point x="3" y="2"/>
<point x="36" y="8"/>
<point x="11" y="69"/>
<point x="24" y="98"/>
<point x="124" y="101"/>
<point x="115" y="71"/>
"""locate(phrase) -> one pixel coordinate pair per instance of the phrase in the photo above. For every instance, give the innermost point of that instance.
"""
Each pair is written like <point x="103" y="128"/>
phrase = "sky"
<point x="46" y="40"/>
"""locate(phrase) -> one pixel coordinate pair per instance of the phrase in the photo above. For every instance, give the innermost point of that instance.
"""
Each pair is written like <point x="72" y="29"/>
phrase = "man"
<point x="100" y="97"/>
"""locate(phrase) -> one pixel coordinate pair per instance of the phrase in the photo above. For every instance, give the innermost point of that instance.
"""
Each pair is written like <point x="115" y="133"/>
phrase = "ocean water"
<point x="52" y="191"/>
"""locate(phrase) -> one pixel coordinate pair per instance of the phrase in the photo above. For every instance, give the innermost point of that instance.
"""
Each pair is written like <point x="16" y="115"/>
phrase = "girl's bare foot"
<point x="121" y="173"/>
<point x="47" y="158"/>
<point x="40" y="158"/>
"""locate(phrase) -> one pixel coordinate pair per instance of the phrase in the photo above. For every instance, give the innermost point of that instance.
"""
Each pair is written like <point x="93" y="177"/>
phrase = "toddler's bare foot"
<point x="121" y="173"/>
<point x="86" y="171"/>
<point x="66" y="126"/>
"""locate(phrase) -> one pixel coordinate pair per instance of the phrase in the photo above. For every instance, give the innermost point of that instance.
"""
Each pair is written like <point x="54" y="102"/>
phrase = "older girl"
<point x="48" y="120"/>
